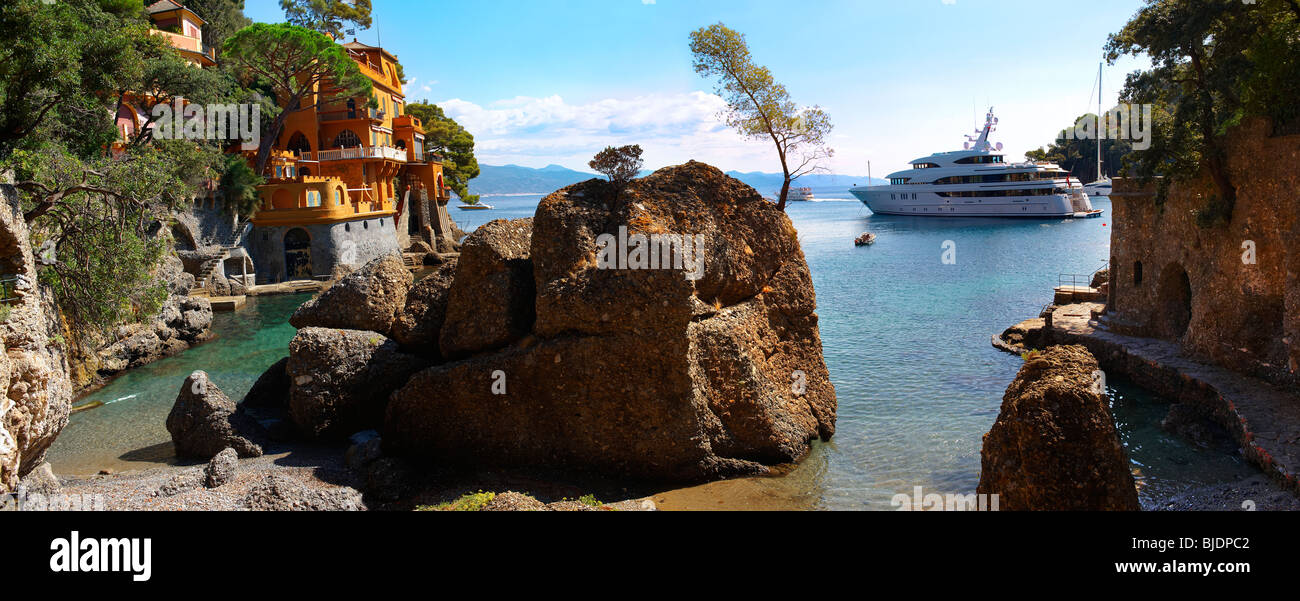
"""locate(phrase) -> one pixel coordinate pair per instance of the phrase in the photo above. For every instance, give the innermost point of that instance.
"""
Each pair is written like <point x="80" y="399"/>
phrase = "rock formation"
<point x="35" y="390"/>
<point x="669" y="373"/>
<point x="340" y="380"/>
<point x="1054" y="446"/>
<point x="367" y="299"/>
<point x="491" y="304"/>
<point x="202" y="423"/>
<point x="418" y="325"/>
<point x="279" y="493"/>
<point x="183" y="322"/>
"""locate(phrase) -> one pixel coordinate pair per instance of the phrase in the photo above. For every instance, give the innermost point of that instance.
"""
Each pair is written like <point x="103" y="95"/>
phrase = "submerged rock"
<point x="202" y="422"/>
<point x="1054" y="446"/>
<point x="366" y="299"/>
<point x="340" y="380"/>
<point x="708" y="367"/>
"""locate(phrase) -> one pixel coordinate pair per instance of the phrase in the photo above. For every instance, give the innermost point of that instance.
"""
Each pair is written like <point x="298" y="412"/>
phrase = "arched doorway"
<point x="298" y="144"/>
<point x="1174" y="298"/>
<point x="297" y="254"/>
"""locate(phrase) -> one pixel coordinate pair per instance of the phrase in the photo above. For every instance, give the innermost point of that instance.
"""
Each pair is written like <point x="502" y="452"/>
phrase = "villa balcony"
<point x="361" y="152"/>
<point x="351" y="115"/>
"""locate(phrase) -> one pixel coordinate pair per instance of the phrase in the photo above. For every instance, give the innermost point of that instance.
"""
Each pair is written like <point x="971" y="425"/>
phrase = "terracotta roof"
<point x="164" y="6"/>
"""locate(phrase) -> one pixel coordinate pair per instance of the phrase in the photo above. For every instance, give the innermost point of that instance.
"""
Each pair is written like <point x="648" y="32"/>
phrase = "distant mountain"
<point x="513" y="179"/>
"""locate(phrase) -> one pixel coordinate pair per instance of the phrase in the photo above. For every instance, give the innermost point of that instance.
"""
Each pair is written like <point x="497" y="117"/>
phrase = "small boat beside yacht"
<point x="978" y="182"/>
<point x="866" y="239"/>
<point x="801" y="195"/>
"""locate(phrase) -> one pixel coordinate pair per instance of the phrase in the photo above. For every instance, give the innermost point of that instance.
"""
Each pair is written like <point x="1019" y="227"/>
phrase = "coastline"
<point x="1262" y="420"/>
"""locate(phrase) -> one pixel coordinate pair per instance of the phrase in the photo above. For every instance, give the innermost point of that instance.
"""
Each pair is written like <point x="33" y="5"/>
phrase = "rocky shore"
<point x="528" y="364"/>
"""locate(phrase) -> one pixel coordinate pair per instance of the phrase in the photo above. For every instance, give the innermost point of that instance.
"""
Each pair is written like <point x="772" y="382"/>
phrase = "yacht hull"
<point x="932" y="205"/>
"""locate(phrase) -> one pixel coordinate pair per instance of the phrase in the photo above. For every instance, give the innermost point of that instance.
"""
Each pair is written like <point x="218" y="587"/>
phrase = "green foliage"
<point x="293" y="63"/>
<point x="590" y="501"/>
<point x="327" y="16"/>
<point x="456" y="145"/>
<point x="238" y="186"/>
<point x="760" y="108"/>
<point x="224" y="18"/>
<point x="470" y="502"/>
<point x="103" y="217"/>
<point x="62" y="63"/>
<point x="1215" y="62"/>
<point x="1079" y="157"/>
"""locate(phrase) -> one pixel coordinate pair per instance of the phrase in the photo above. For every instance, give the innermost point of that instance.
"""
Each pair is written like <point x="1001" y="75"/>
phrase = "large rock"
<point x="35" y="388"/>
<point x="271" y="390"/>
<point x="340" y="380"/>
<point x="203" y="422"/>
<point x="642" y="373"/>
<point x="418" y="325"/>
<point x="366" y="299"/>
<point x="1054" y="446"/>
<point x="491" y="301"/>
<point x="180" y="324"/>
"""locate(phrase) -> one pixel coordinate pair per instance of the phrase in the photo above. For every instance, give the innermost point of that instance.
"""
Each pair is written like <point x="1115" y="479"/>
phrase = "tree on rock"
<point x="621" y="164"/>
<point x="759" y="107"/>
<point x="303" y="68"/>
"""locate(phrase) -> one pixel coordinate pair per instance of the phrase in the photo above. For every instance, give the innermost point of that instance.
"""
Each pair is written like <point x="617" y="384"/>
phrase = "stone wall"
<point x="37" y="393"/>
<point x="333" y="246"/>
<point x="1175" y="280"/>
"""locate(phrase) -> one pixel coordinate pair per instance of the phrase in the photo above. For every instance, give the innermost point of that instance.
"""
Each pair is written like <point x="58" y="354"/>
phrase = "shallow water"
<point x="906" y="338"/>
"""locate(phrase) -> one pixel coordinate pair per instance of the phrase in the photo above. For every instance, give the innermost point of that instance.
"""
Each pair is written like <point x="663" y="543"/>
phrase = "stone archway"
<point x="1174" y="298"/>
<point x="297" y="254"/>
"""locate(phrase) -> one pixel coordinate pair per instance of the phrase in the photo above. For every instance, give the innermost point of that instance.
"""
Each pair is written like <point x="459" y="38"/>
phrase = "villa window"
<point x="347" y="139"/>
<point x="313" y="198"/>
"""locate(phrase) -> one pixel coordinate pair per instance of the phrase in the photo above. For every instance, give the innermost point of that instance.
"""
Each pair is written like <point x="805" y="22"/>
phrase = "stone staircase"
<point x="205" y="272"/>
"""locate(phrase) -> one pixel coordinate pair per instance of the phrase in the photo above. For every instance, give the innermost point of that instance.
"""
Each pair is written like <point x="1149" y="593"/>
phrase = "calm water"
<point x="906" y="339"/>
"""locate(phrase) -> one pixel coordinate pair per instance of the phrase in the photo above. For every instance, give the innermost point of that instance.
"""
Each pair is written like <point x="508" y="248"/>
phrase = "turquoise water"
<point x="906" y="338"/>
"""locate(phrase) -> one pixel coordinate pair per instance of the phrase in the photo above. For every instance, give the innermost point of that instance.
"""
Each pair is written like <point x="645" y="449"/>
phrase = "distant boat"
<point x="866" y="239"/>
<point x="476" y="207"/>
<point x="1098" y="188"/>
<point x="800" y="195"/>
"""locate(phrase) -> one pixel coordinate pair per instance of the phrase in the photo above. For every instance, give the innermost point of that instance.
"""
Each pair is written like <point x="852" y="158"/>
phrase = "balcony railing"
<point x="347" y="115"/>
<point x="361" y="152"/>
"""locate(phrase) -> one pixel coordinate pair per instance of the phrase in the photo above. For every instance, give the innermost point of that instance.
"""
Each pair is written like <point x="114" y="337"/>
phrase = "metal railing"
<point x="360" y="152"/>
<point x="9" y="289"/>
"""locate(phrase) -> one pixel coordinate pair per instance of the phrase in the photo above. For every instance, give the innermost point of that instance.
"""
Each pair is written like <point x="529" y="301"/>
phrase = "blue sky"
<point x="553" y="81"/>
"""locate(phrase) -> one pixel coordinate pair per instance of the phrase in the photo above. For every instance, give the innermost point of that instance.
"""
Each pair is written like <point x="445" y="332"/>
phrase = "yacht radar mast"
<point x="980" y="141"/>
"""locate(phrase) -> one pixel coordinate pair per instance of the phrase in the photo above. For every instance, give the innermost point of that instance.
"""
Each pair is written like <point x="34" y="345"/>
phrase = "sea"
<point x="906" y="336"/>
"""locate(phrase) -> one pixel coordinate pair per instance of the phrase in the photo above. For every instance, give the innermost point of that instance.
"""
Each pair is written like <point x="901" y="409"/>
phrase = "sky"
<point x="546" y="82"/>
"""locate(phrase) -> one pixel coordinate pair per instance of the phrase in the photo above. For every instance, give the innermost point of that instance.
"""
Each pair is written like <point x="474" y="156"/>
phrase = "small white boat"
<point x="866" y="239"/>
<point x="1098" y="188"/>
<point x="476" y="207"/>
<point x="800" y="195"/>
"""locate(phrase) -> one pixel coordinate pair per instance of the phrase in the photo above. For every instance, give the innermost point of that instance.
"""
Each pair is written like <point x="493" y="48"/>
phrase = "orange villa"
<point x="348" y="183"/>
<point x="344" y="178"/>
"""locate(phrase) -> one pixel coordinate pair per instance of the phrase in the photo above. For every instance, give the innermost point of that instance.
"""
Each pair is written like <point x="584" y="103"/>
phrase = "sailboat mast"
<point x="1099" y="126"/>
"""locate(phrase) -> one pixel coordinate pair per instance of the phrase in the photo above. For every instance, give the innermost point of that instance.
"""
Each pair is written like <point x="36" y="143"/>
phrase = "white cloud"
<point x="672" y="128"/>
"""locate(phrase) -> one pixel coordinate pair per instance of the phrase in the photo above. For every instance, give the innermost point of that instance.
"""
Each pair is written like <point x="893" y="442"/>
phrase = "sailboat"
<point x="1102" y="186"/>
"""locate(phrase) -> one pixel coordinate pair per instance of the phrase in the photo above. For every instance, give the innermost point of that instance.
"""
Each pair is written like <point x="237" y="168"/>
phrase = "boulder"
<point x="641" y="373"/>
<point x="491" y="301"/>
<point x="1054" y="446"/>
<point x="340" y="380"/>
<point x="202" y="422"/>
<point x="418" y="324"/>
<point x="513" y="501"/>
<point x="221" y="469"/>
<point x="366" y="299"/>
<point x="42" y="481"/>
<point x="279" y="493"/>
